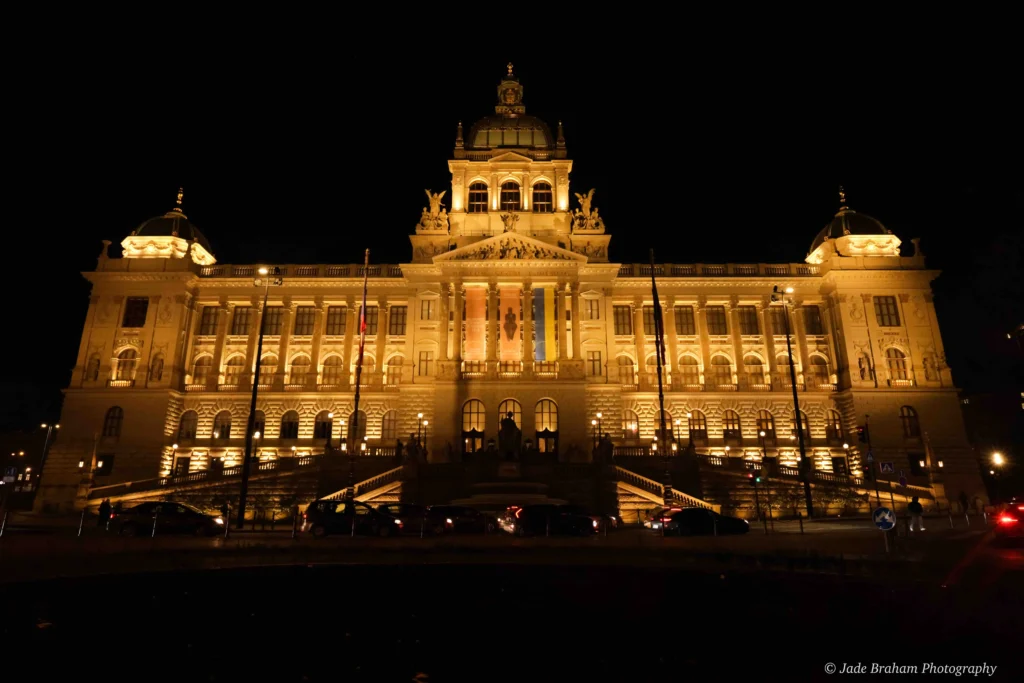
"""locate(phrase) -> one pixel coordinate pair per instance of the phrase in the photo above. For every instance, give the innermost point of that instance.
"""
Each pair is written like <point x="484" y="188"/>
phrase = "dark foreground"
<point x="496" y="623"/>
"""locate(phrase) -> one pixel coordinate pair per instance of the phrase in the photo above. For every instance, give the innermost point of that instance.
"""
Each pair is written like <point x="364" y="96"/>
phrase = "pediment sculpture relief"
<point x="510" y="249"/>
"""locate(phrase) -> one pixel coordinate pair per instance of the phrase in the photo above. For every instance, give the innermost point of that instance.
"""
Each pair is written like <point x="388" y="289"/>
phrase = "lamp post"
<point x="330" y="431"/>
<point x="677" y="428"/>
<point x="805" y="474"/>
<point x="426" y="423"/>
<point x="997" y="463"/>
<point x="46" y="443"/>
<point x="265" y="280"/>
<point x="593" y="430"/>
<point x="846" y="458"/>
<point x="419" y="428"/>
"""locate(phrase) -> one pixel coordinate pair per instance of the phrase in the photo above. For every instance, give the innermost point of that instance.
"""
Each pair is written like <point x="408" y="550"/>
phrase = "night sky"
<point x="291" y="160"/>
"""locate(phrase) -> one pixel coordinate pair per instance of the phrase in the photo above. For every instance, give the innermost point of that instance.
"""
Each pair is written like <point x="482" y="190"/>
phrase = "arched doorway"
<point x="473" y="421"/>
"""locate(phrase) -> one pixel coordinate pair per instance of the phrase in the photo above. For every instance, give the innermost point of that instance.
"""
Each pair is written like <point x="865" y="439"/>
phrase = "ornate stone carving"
<point x="919" y="308"/>
<point x="585" y="219"/>
<point x="436" y="217"/>
<point x="510" y="248"/>
<point x="166" y="312"/>
<point x="856" y="310"/>
<point x="426" y="251"/>
<point x="509" y="220"/>
<point x="591" y="250"/>
<point x="128" y="341"/>
<point x="571" y="369"/>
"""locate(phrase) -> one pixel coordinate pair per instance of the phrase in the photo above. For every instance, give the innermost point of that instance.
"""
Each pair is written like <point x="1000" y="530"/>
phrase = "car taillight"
<point x="1007" y="519"/>
<point x="665" y="520"/>
<point x="1021" y="508"/>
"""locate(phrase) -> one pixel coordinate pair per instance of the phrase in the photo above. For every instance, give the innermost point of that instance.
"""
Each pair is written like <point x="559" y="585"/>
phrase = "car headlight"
<point x="595" y="523"/>
<point x="448" y="520"/>
<point x="398" y="522"/>
<point x="218" y="520"/>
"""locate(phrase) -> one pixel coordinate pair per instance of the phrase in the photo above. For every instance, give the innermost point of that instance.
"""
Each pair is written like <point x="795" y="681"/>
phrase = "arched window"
<point x="369" y="367"/>
<point x="389" y="426"/>
<point x="112" y="422"/>
<point x="627" y="375"/>
<point x="804" y="425"/>
<point x="753" y="370"/>
<point x="911" y="427"/>
<point x="393" y="372"/>
<point x="721" y="371"/>
<point x="156" y="368"/>
<point x="731" y="431"/>
<point x="477" y="198"/>
<point x="896" y="361"/>
<point x="300" y="370"/>
<point x="187" y="425"/>
<point x="473" y="422"/>
<point x="268" y="369"/>
<point x="698" y="425"/>
<point x="546" y="418"/>
<point x="652" y="370"/>
<point x="510" y="405"/>
<point x="222" y="425"/>
<point x="259" y="423"/>
<point x="542" y="198"/>
<point x="833" y="428"/>
<point x="233" y="370"/>
<point x="630" y="424"/>
<point x="126" y="362"/>
<point x="689" y="371"/>
<point x="766" y="424"/>
<point x="360" y="430"/>
<point x="782" y="362"/>
<point x="509" y="196"/>
<point x="323" y="426"/>
<point x="669" y="432"/>
<point x="818" y="371"/>
<point x="290" y="425"/>
<point x="92" y="369"/>
<point x="202" y="370"/>
<point x="333" y="369"/>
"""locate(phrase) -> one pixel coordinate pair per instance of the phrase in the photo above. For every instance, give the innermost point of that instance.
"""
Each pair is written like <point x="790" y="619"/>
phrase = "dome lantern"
<point x="168" y="236"/>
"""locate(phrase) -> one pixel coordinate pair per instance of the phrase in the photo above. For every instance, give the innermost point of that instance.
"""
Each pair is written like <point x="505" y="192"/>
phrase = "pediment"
<point x="510" y="246"/>
<point x="510" y="157"/>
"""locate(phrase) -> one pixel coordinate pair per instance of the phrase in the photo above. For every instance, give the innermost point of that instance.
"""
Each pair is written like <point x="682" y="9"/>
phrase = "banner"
<point x="476" y="324"/>
<point x="545" y="348"/>
<point x="510" y="346"/>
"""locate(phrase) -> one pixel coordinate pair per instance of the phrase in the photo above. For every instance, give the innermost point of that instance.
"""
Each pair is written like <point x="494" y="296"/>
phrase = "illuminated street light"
<point x="997" y="459"/>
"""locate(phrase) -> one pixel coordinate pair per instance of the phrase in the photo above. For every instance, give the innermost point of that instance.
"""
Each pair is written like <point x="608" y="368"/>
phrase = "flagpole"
<point x="659" y="352"/>
<point x="353" y="438"/>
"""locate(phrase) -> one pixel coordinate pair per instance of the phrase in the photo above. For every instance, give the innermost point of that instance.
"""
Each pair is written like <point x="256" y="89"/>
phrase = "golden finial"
<point x="510" y="68"/>
<point x="842" y="195"/>
<point x="181" y="192"/>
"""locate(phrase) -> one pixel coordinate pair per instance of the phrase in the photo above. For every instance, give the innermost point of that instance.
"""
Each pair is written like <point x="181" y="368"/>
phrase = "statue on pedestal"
<point x="436" y="217"/>
<point x="510" y="219"/>
<point x="509" y="438"/>
<point x="584" y="218"/>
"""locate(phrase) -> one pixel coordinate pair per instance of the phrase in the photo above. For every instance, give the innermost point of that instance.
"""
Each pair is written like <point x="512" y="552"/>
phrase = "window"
<point x="300" y="370"/>
<point x="222" y="425"/>
<point x="290" y="425"/>
<point x="818" y="371"/>
<point x="369" y="367"/>
<point x="546" y="419"/>
<point x="272" y="320"/>
<point x="509" y="196"/>
<point x="393" y="370"/>
<point x="623" y="320"/>
<point x="259" y="423"/>
<point x="804" y="425"/>
<point x="477" y="198"/>
<point x="721" y="371"/>
<point x="731" y="431"/>
<point x="187" y="425"/>
<point x="779" y="319"/>
<point x="698" y="426"/>
<point x="357" y="427"/>
<point x="685" y="324"/>
<point x="323" y="426"/>
<point x="333" y="369"/>
<point x="112" y="422"/>
<point x="748" y="320"/>
<point x="473" y="420"/>
<point x="135" y="311"/>
<point x="233" y="370"/>
<point x="834" y="428"/>
<point x="427" y="309"/>
<point x="156" y="368"/>
<point x="389" y="426"/>
<point x="208" y="320"/>
<point x="426" y="365"/>
<point x="627" y="375"/>
<point x="126" y="362"/>
<point x="594" y="367"/>
<point x="305" y="319"/>
<point x="240" y="320"/>
<point x="630" y="424"/>
<point x="542" y="202"/>
<point x="812" y="320"/>
<point x="886" y="312"/>
<point x="336" y="320"/>
<point x="753" y="369"/>
<point x="371" y="320"/>
<point x="766" y="424"/>
<point x="896" y="361"/>
<point x="689" y="371"/>
<point x="593" y="309"/>
<point x="396" y="320"/>
<point x="911" y="427"/>
<point x="649" y="321"/>
<point x="202" y="370"/>
<point x="268" y="368"/>
<point x="510" y="405"/>
<point x="717" y="323"/>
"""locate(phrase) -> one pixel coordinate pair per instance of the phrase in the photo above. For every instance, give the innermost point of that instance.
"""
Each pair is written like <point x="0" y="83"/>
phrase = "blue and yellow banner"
<point x="545" y="348"/>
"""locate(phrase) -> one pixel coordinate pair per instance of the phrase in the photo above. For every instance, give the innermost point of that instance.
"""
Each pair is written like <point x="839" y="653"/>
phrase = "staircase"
<point x="636" y="493"/>
<point x="385" y="487"/>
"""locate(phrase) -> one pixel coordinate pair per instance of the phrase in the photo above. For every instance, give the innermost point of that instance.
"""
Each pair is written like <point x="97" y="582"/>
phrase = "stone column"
<point x="563" y="327"/>
<point x="190" y="314"/>
<point x="668" y="324"/>
<point x="351" y="323"/>
<point x="766" y="329"/>
<point x="83" y="350"/>
<point x="492" y="325"/>
<point x="640" y="339"/>
<point x="380" y="344"/>
<point x="287" y="320"/>
<point x="528" y="328"/>
<point x="457" y="309"/>
<point x="702" y="332"/>
<point x="608" y="303"/>
<point x="733" y="315"/>
<point x="577" y="324"/>
<point x="799" y="337"/>
<point x="223" y="319"/>
<point x="255" y="320"/>
<point x="318" y="338"/>
<point x="442" y="313"/>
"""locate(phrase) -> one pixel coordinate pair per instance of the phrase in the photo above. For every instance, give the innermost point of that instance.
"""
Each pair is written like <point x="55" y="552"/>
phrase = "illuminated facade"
<point x="509" y="304"/>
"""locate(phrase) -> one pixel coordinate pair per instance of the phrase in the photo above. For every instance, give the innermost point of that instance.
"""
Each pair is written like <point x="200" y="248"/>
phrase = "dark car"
<point x="169" y="518"/>
<point x="603" y="521"/>
<point x="1009" y="520"/>
<point x="324" y="517"/>
<point x="699" y="521"/>
<point x="549" y="520"/>
<point x="413" y="517"/>
<point x="652" y="518"/>
<point x="460" y="520"/>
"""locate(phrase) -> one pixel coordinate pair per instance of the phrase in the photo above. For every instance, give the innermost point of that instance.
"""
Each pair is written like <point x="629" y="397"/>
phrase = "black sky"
<point x="730" y="155"/>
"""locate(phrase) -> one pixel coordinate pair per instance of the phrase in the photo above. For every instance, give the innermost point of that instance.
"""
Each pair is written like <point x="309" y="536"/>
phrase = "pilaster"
<point x="318" y="336"/>
<point x="351" y="322"/>
<point x="283" y="363"/>
<point x="223" y="319"/>
<point x="766" y="328"/>
<point x="527" y="329"/>
<point x="563" y="325"/>
<point x="382" y="333"/>
<point x="668" y="323"/>
<point x="800" y="336"/>
<point x="459" y="315"/>
<point x="702" y="332"/>
<point x="736" y="334"/>
<point x="577" y="324"/>
<point x="255" y="322"/>
<point x="492" y="325"/>
<point x="636" y="309"/>
<point x="442" y="313"/>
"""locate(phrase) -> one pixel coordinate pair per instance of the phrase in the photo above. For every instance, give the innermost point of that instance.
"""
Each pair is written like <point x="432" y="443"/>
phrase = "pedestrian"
<point x="915" y="510"/>
<point x="224" y="511"/>
<point x="963" y="501"/>
<point x="104" y="513"/>
<point x="398" y="451"/>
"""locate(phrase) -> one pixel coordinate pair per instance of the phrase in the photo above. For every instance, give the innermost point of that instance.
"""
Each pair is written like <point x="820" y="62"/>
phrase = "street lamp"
<point x="46" y="442"/>
<point x="677" y="427"/>
<point x="997" y="459"/>
<point x="330" y="431"/>
<point x="785" y="297"/>
<point x="426" y="423"/>
<point x="593" y="424"/>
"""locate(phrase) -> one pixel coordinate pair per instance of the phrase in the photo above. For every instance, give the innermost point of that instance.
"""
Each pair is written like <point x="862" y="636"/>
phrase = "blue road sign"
<point x="887" y="467"/>
<point x="871" y="456"/>
<point x="883" y="518"/>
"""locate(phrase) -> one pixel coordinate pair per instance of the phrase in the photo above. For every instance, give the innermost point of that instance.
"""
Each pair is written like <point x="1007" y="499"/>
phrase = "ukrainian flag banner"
<point x="545" y="348"/>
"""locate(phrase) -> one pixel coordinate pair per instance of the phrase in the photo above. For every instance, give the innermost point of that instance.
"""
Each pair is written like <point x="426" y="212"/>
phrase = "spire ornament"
<point x="510" y="69"/>
<point x="842" y="196"/>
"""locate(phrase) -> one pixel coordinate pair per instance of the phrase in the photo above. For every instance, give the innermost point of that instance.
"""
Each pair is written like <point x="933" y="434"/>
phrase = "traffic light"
<point x="753" y="479"/>
<point x="862" y="433"/>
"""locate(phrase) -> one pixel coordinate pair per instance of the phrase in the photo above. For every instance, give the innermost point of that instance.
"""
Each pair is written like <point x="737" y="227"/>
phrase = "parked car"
<point x="169" y="517"/>
<point x="699" y="521"/>
<point x="413" y="517"/>
<point x="1009" y="520"/>
<point x="654" y="515"/>
<point x="460" y="519"/>
<point x="603" y="521"/>
<point x="324" y="517"/>
<point x="548" y="520"/>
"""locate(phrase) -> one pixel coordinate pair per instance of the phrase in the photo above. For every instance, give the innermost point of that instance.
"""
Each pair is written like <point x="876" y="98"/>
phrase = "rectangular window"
<point x="426" y="368"/>
<point x="748" y="320"/>
<point x="396" y="320"/>
<point x="778" y="317"/>
<point x="886" y="312"/>
<point x="427" y="309"/>
<point x="594" y="367"/>
<point x="240" y="321"/>
<point x="812" y="320"/>
<point x="371" y="320"/>
<point x="649" y="321"/>
<point x="272" y="320"/>
<point x="717" y="323"/>
<point x="623" y="320"/>
<point x="336" y="320"/>
<point x="593" y="309"/>
<point x="208" y="321"/>
<point x="305" y="316"/>
<point x="135" y="311"/>
<point x="685" y="325"/>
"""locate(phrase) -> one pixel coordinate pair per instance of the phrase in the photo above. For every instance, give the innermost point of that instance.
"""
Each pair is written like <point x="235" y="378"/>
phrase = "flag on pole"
<point x="545" y="348"/>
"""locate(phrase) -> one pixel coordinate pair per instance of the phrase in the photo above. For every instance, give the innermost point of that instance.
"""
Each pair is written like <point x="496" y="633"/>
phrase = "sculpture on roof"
<point x="436" y="217"/>
<point x="584" y="201"/>
<point x="584" y="218"/>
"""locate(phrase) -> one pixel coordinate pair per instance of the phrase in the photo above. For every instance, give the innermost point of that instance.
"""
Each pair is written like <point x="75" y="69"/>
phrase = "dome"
<point x="174" y="223"/>
<point x="496" y="131"/>
<point x="849" y="222"/>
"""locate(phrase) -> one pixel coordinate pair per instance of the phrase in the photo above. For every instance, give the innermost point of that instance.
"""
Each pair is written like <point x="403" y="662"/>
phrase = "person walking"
<point x="915" y="510"/>
<point x="104" y="513"/>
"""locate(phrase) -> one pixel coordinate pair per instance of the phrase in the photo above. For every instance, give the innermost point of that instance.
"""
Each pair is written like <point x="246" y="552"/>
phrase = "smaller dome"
<point x="849" y="222"/>
<point x="174" y="223"/>
<point x="510" y="131"/>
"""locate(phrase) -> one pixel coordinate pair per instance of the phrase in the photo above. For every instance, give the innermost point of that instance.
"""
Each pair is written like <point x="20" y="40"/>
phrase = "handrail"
<point x="652" y="486"/>
<point x="374" y="482"/>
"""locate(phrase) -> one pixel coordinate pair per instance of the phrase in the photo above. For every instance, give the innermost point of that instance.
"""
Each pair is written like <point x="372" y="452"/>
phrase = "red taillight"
<point x="665" y="520"/>
<point x="517" y="512"/>
<point x="1007" y="519"/>
<point x="1021" y="508"/>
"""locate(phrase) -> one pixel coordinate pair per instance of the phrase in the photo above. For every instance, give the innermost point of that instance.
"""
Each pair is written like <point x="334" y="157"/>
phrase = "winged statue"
<point x="584" y="201"/>
<point x="435" y="201"/>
